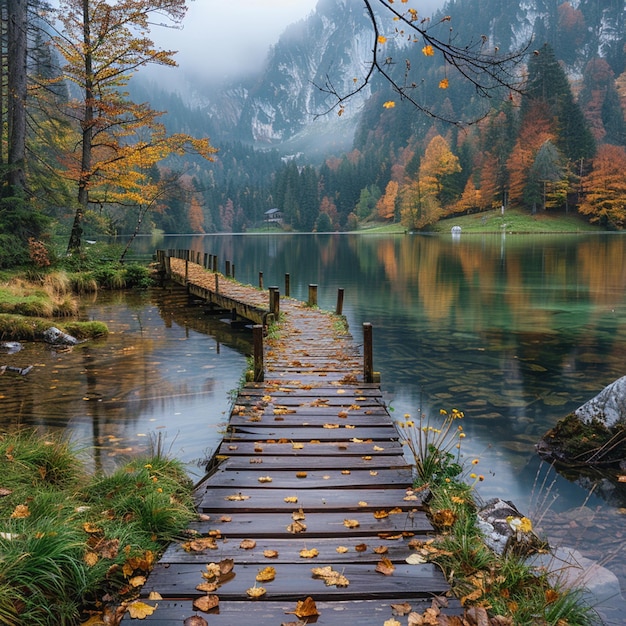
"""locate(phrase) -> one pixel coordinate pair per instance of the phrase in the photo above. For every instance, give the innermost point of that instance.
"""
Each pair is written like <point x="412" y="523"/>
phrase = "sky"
<point x="224" y="38"/>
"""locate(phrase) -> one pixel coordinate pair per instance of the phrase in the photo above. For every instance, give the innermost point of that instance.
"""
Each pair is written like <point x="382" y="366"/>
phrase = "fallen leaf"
<point x="232" y="447"/>
<point x="226" y="518"/>
<point x="381" y="514"/>
<point x="385" y="566"/>
<point x="401" y="609"/>
<point x="270" y="554"/>
<point x="298" y="515"/>
<point x="363" y="503"/>
<point x="91" y="558"/>
<point x="444" y="517"/>
<point x="377" y="449"/>
<point x="237" y="497"/>
<point x="256" y="592"/>
<point x="367" y="458"/>
<point x="330" y="576"/>
<point x="306" y="608"/>
<point x="345" y="472"/>
<point x="351" y="523"/>
<point x="309" y="554"/>
<point x="4" y="491"/>
<point x="195" y="620"/>
<point x="200" y="544"/>
<point x="373" y="473"/>
<point x="90" y="528"/>
<point x="137" y="581"/>
<point x="380" y="550"/>
<point x="207" y="587"/>
<point x="415" y="559"/>
<point x="20" y="512"/>
<point x="265" y="479"/>
<point x="247" y="544"/>
<point x="296" y="527"/>
<point x="212" y="571"/>
<point x="330" y="426"/>
<point x="206" y="603"/>
<point x="360" y="547"/>
<point x="297" y="446"/>
<point x="341" y="549"/>
<point x="266" y="575"/>
<point x="391" y="622"/>
<point x="140" y="610"/>
<point x="301" y="474"/>
<point x="290" y="499"/>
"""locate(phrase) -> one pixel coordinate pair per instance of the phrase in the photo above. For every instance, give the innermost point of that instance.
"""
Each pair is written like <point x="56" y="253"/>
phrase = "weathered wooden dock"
<point x="310" y="474"/>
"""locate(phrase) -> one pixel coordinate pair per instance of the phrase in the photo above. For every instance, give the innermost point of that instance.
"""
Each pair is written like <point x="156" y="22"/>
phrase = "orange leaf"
<point x="385" y="566"/>
<point x="351" y="523"/>
<point x="266" y="575"/>
<point x="140" y="610"/>
<point x="206" y="603"/>
<point x="306" y="608"/>
<point x="21" y="511"/>
<point x="247" y="544"/>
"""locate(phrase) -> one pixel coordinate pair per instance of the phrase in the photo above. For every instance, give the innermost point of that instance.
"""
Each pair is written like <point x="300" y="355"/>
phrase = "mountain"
<point x="285" y="106"/>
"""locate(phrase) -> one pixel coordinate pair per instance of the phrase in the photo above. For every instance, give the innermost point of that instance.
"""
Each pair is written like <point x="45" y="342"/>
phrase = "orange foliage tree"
<point x="386" y="205"/>
<point x="102" y="44"/>
<point x="604" y="188"/>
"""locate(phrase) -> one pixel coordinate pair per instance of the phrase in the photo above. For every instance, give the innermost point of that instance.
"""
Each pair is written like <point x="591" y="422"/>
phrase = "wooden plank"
<point x="315" y="479"/>
<point x="289" y="551"/>
<point x="344" y="448"/>
<point x="295" y="463"/>
<point x="272" y="434"/>
<point x="296" y="580"/>
<point x="211" y="499"/>
<point x="327" y="524"/>
<point x="319" y="391"/>
<point x="273" y="613"/>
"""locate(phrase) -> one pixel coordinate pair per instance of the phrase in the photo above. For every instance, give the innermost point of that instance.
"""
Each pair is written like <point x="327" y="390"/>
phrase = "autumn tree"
<point x="547" y="183"/>
<point x="196" y="216"/>
<point x="102" y="44"/>
<point x="386" y="205"/>
<point x="604" y="188"/>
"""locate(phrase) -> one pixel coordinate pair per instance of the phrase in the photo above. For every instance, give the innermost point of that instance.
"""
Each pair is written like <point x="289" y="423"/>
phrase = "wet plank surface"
<point x="310" y="474"/>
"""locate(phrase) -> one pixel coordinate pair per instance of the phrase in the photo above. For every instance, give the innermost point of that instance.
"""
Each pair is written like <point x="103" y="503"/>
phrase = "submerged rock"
<point x="58" y="338"/>
<point x="10" y="347"/>
<point x="594" y="435"/>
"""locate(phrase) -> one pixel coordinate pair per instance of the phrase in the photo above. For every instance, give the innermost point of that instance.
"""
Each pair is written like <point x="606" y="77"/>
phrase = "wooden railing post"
<point x="274" y="305"/>
<point x="217" y="283"/>
<point x="368" y="353"/>
<point x="232" y="270"/>
<point x="257" y="339"/>
<point x="261" y="280"/>
<point x="215" y="263"/>
<point x="312" y="295"/>
<point x="227" y="269"/>
<point x="186" y="271"/>
<point x="205" y="260"/>
<point x="339" y="307"/>
<point x="287" y="286"/>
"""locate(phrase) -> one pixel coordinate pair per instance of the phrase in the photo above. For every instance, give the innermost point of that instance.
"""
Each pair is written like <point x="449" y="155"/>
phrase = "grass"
<point x="503" y="586"/>
<point x="515" y="221"/>
<point x="72" y="544"/>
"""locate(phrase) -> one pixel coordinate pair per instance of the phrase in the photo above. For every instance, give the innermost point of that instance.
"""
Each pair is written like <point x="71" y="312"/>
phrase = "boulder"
<point x="506" y="530"/>
<point x="57" y="337"/>
<point x="593" y="436"/>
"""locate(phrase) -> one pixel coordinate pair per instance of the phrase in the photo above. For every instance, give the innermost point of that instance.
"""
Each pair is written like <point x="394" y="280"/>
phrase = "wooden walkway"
<point x="310" y="475"/>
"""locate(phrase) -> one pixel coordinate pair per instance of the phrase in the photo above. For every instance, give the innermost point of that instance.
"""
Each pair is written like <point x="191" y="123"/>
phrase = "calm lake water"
<point x="515" y="331"/>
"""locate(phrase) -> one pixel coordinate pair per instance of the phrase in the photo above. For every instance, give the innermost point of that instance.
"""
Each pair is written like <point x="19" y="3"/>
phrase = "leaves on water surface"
<point x="206" y="603"/>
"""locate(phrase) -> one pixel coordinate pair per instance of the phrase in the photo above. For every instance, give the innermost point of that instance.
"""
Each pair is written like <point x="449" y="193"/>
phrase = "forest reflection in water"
<point x="165" y="368"/>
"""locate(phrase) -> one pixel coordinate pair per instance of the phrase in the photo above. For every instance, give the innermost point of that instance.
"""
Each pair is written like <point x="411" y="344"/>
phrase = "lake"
<point x="515" y="331"/>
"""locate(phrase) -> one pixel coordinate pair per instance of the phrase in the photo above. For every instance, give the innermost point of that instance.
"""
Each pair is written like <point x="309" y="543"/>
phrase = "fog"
<point x="221" y="39"/>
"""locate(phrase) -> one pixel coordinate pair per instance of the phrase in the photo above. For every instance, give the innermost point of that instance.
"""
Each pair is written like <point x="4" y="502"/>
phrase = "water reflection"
<point x="164" y="368"/>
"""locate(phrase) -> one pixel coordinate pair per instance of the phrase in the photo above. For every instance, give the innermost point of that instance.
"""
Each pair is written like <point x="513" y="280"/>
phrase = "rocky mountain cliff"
<point x="284" y="106"/>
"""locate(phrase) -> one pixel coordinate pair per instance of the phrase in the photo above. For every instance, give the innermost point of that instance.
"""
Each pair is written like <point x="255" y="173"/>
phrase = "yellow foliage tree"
<point x="386" y="205"/>
<point x="102" y="45"/>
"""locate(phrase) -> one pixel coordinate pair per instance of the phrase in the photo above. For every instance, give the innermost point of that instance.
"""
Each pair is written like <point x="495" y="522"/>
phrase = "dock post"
<point x="232" y="270"/>
<point x="257" y="338"/>
<point x="227" y="269"/>
<point x="168" y="266"/>
<point x="205" y="260"/>
<point x="287" y="286"/>
<point x="186" y="271"/>
<point x="312" y="295"/>
<point x="368" y="358"/>
<point x="274" y="305"/>
<point x="339" y="308"/>
<point x="261" y="281"/>
<point x="215" y="263"/>
<point x="217" y="283"/>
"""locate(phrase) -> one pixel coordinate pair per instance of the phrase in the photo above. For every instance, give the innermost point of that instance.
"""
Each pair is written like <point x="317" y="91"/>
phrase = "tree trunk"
<point x="16" y="91"/>
<point x="76" y="235"/>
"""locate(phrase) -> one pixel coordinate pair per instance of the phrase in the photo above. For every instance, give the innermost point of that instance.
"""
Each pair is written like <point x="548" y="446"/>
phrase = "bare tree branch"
<point x="486" y="69"/>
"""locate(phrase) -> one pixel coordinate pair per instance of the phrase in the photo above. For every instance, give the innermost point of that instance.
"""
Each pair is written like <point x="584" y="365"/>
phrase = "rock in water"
<point x="57" y="337"/>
